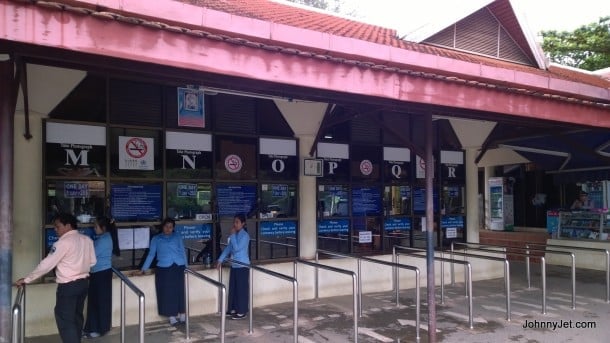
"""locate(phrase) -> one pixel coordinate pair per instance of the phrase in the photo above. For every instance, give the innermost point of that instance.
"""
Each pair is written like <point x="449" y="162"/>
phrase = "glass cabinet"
<point x="584" y="225"/>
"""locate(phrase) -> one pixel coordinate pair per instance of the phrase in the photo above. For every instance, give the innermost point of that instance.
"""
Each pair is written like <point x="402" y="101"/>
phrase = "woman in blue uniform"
<point x="168" y="247"/>
<point x="99" y="297"/>
<point x="237" y="246"/>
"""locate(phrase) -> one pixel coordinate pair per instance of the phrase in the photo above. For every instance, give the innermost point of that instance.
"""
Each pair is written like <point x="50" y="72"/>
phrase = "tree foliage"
<point x="587" y="47"/>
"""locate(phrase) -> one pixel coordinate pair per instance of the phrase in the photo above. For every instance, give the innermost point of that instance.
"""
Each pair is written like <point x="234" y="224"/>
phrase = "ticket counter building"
<point x="312" y="125"/>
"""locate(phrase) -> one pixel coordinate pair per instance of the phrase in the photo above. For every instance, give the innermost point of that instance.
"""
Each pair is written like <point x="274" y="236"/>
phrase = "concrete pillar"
<point x="7" y="118"/>
<point x="307" y="204"/>
<point x="472" y="196"/>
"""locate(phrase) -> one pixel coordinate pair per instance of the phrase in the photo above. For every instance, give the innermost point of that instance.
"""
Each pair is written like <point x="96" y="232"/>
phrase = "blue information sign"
<point x="234" y="199"/>
<point x="333" y="226"/>
<point x="135" y="202"/>
<point x="452" y="221"/>
<point x="279" y="191"/>
<point x="76" y="189"/>
<point x="50" y="236"/>
<point x="195" y="231"/>
<point x="366" y="201"/>
<point x="274" y="229"/>
<point x="187" y="190"/>
<point x="397" y="224"/>
<point x="419" y="200"/>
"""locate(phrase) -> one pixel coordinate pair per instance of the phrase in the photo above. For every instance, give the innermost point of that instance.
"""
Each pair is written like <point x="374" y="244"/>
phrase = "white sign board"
<point x="136" y="153"/>
<point x="451" y="232"/>
<point x="365" y="237"/>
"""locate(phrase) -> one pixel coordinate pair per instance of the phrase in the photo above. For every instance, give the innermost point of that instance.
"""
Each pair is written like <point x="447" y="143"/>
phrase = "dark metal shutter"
<point x="366" y="129"/>
<point x="135" y="103"/>
<point x="399" y="132"/>
<point x="234" y="114"/>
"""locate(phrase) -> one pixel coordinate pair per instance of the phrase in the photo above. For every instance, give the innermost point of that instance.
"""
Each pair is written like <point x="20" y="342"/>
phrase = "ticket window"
<point x="367" y="210"/>
<point x="333" y="217"/>
<point x="278" y="224"/>
<point x="452" y="214"/>
<point x="397" y="219"/>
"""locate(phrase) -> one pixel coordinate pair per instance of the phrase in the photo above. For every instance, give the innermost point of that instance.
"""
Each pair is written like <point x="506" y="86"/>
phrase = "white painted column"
<point x="472" y="196"/>
<point x="307" y="203"/>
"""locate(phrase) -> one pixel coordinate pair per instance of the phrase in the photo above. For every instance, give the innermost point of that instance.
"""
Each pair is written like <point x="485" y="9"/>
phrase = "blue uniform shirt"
<point x="238" y="247"/>
<point x="103" y="252"/>
<point x="169" y="249"/>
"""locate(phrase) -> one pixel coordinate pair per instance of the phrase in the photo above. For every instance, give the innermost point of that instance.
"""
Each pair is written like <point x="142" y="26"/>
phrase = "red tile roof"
<point x="328" y="23"/>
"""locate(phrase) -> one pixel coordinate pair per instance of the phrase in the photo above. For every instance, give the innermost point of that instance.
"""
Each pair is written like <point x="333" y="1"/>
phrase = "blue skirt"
<point x="169" y="283"/>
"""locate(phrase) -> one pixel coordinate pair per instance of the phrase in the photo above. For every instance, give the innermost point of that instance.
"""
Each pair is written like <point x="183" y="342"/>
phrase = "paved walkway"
<point x="331" y="319"/>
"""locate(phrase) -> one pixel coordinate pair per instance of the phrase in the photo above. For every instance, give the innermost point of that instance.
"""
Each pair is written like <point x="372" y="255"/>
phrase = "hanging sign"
<point x="81" y="153"/>
<point x="136" y="153"/>
<point x="191" y="110"/>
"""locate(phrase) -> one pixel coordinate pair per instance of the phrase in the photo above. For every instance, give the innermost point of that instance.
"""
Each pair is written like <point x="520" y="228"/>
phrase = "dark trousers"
<point x="99" y="302"/>
<point x="239" y="290"/>
<point x="69" y="304"/>
<point x="169" y="284"/>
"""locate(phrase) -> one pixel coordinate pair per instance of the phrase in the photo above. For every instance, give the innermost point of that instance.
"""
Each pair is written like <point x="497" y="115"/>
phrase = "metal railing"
<point x="295" y="293"/>
<point x="542" y="269"/>
<point x="467" y="278"/>
<point x="18" y="318"/>
<point x="527" y="255"/>
<point x="273" y="244"/>
<point x="396" y="288"/>
<point x="355" y="289"/>
<point x="223" y="303"/>
<point x="568" y="247"/>
<point x="141" y="303"/>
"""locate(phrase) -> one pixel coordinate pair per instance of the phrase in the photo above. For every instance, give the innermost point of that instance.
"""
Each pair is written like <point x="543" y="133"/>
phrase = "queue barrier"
<point x="468" y="276"/>
<point x="18" y="316"/>
<point x="567" y="247"/>
<point x="355" y="288"/>
<point x="295" y="293"/>
<point x="526" y="255"/>
<point x="396" y="289"/>
<point x="141" y="300"/>
<point x="223" y="301"/>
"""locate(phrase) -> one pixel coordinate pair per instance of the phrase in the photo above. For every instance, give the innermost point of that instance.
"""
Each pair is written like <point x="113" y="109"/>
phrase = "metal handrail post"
<point x="219" y="291"/>
<point x="394" y="272"/>
<point x="573" y="281"/>
<point x="354" y="288"/>
<point x="604" y="251"/>
<point x="277" y="275"/>
<point x="222" y="301"/>
<point x="250" y="300"/>
<point x="527" y="266"/>
<point x="18" y="316"/>
<point x="543" y="272"/>
<point x="506" y="287"/>
<point x="442" y="280"/>
<point x="467" y="280"/>
<point x="141" y="305"/>
<point x="451" y="266"/>
<point x="122" y="311"/>
<point x="360" y="288"/>
<point x="316" y="294"/>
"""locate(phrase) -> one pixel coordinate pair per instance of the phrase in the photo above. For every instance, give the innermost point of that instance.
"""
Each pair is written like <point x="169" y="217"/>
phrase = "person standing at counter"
<point x="99" y="298"/>
<point x="168" y="247"/>
<point x="72" y="256"/>
<point x="237" y="247"/>
<point x="583" y="202"/>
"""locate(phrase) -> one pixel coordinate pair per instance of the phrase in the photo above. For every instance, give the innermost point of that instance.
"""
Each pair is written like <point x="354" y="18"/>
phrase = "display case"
<point x="584" y="225"/>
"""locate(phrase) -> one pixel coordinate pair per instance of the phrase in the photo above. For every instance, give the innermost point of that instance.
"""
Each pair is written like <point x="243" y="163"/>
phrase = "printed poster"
<point x="191" y="108"/>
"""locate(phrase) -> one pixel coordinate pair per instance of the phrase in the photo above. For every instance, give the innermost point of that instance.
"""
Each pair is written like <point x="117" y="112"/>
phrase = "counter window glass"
<point x="84" y="199"/>
<point x="397" y="200"/>
<point x="278" y="201"/>
<point x="189" y="200"/>
<point x="453" y="200"/>
<point x="333" y="201"/>
<point x="235" y="158"/>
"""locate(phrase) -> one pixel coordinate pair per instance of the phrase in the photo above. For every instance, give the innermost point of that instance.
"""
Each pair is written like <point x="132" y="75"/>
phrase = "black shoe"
<point x="238" y="316"/>
<point x="230" y="313"/>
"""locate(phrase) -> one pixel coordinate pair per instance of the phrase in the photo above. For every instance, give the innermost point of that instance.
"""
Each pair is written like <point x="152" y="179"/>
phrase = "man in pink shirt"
<point x="73" y="255"/>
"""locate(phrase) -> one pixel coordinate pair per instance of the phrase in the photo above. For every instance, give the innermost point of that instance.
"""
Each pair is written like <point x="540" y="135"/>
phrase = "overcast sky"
<point x="540" y="14"/>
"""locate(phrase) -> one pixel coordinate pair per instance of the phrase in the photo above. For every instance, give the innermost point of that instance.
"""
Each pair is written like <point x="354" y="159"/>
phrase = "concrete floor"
<point x="331" y="319"/>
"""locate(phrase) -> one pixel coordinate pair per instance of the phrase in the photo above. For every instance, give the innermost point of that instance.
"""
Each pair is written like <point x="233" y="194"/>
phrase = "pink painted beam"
<point x="40" y="26"/>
